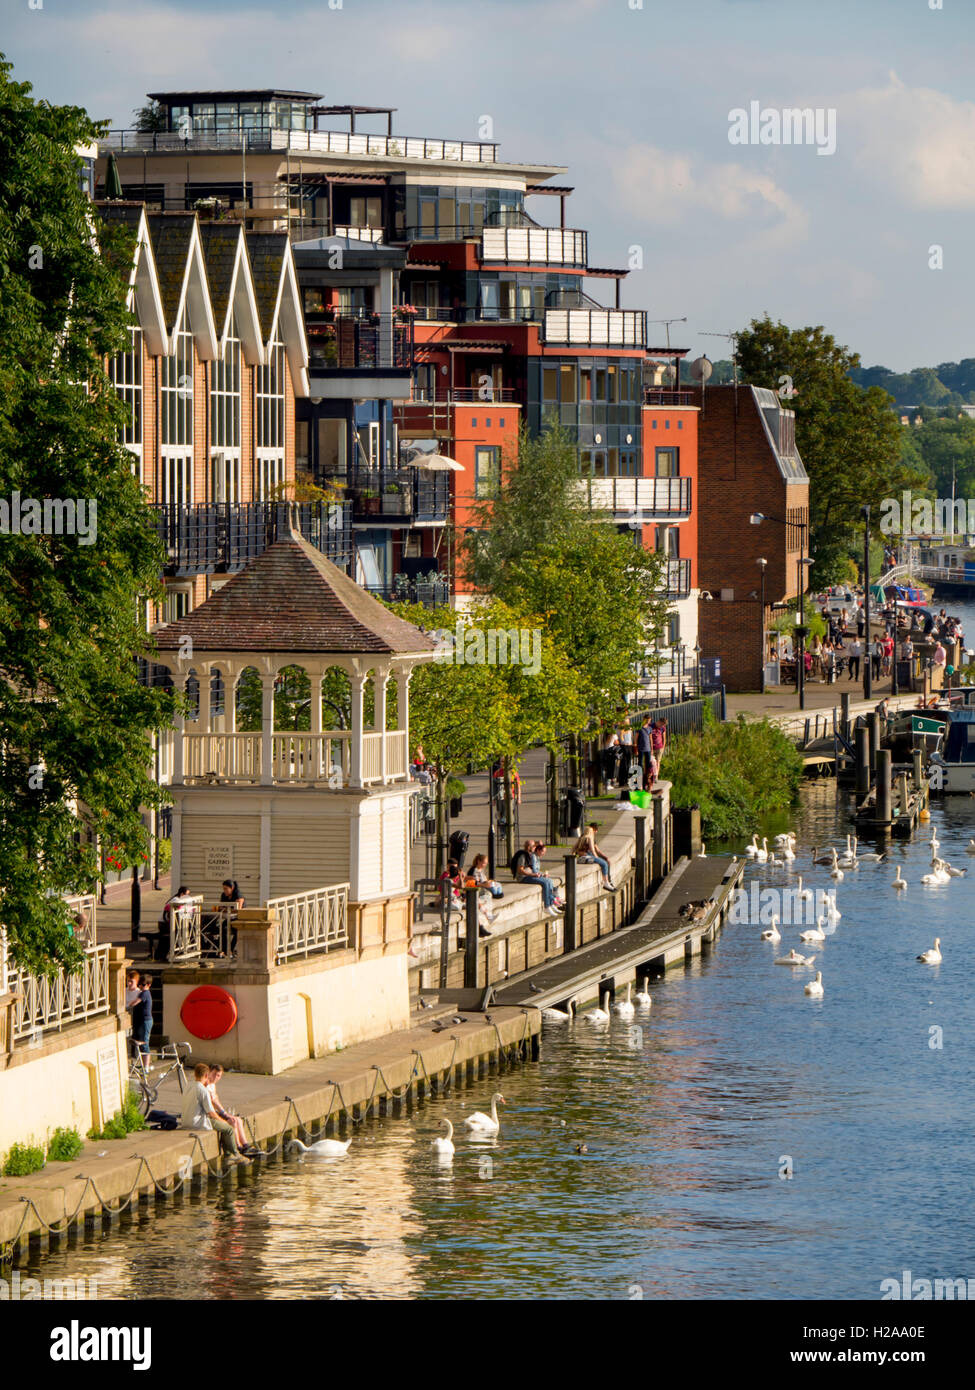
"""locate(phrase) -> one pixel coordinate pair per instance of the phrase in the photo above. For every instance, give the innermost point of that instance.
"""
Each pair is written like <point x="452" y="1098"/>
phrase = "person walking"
<point x="658" y="741"/>
<point x="877" y="657"/>
<point x="856" y="651"/>
<point x="644" y="747"/>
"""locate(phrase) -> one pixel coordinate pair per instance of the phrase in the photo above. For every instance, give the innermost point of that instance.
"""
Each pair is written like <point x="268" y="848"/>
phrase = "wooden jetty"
<point x="658" y="938"/>
<point x="880" y="810"/>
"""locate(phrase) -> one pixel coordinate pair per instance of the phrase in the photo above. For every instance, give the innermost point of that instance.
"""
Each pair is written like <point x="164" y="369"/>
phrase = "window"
<point x="366" y="212"/>
<point x="486" y="471"/>
<point x="176" y="483"/>
<point x="176" y="605"/>
<point x="176" y="386"/>
<point x="225" y="377"/>
<point x="667" y="463"/>
<point x="224" y="477"/>
<point x="269" y="477"/>
<point x="125" y="372"/>
<point x="269" y="400"/>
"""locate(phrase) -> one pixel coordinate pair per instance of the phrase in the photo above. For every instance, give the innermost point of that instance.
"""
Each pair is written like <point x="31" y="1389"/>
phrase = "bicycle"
<point x="148" y="1084"/>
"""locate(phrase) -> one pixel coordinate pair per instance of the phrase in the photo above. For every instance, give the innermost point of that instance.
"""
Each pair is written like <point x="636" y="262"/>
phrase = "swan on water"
<point x="836" y="873"/>
<point x="600" y="1014"/>
<point x="871" y="857"/>
<point x="833" y="914"/>
<point x="762" y="854"/>
<point x="849" y="856"/>
<point x="773" y="933"/>
<point x="625" y="1008"/>
<point x="752" y="849"/>
<point x="899" y="883"/>
<point x="794" y="958"/>
<point x="970" y="847"/>
<point x="480" y="1123"/>
<point x="788" y="852"/>
<point x="933" y="955"/>
<point x="786" y="838"/>
<point x="803" y="894"/>
<point x="826" y="858"/>
<point x="643" y="997"/>
<point x="444" y="1145"/>
<point x="934" y="842"/>
<point x="814" y="988"/>
<point x="815" y="933"/>
<point x="936" y="876"/>
<point x="953" y="873"/>
<point x="323" y="1148"/>
<point x="560" y="1015"/>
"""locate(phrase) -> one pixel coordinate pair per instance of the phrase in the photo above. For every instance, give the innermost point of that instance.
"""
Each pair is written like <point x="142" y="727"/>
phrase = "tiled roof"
<point x="171" y="233"/>
<point x="219" y="241"/>
<point x="291" y="599"/>
<point x="266" y="250"/>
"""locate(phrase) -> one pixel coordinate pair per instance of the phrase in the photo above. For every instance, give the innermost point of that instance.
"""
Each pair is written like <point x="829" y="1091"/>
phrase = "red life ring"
<point x="208" y="1012"/>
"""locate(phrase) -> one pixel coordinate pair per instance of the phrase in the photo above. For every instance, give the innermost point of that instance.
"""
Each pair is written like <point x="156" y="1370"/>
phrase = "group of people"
<point x="526" y="867"/>
<point x="202" y="1109"/>
<point x="623" y="752"/>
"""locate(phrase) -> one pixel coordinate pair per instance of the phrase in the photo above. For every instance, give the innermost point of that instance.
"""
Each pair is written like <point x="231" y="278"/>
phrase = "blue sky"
<point x="635" y="100"/>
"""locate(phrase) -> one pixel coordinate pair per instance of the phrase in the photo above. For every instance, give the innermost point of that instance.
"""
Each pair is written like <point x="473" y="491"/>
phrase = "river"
<point x="692" y="1119"/>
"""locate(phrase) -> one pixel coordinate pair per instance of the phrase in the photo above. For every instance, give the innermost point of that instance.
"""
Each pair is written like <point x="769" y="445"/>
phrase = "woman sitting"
<point x="588" y="852"/>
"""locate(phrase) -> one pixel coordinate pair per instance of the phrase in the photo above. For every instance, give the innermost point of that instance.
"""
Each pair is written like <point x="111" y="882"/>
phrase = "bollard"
<point x="918" y="769"/>
<point x="657" y="843"/>
<point x="640" y="826"/>
<point x="883" y="786"/>
<point x="845" y="715"/>
<point x="903" y="795"/>
<point x="873" y="727"/>
<point x="862" y="761"/>
<point x="570" y="915"/>
<point x="471" y="944"/>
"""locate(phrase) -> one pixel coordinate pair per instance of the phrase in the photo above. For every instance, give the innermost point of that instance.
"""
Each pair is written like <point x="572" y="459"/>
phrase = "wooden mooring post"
<point x="570" y="916"/>
<point x="884" y="814"/>
<point x="873" y="728"/>
<point x="862" y="761"/>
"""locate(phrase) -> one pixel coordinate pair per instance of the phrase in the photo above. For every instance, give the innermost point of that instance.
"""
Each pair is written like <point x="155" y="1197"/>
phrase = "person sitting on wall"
<point x="199" y="1113"/>
<point x="230" y="1116"/>
<point x="479" y="871"/>
<point x="450" y="887"/>
<point x="588" y="852"/>
<point x="528" y="870"/>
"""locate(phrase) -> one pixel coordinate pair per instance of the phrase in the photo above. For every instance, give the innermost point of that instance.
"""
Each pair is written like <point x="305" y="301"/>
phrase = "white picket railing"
<point x="47" y="1003"/>
<point x="311" y="922"/>
<point x="184" y="929"/>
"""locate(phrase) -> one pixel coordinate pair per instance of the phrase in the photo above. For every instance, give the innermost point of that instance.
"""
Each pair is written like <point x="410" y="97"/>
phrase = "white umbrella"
<point x="437" y="463"/>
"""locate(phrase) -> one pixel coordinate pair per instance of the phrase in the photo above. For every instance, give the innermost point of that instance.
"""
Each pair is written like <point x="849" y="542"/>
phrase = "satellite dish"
<point x="701" y="369"/>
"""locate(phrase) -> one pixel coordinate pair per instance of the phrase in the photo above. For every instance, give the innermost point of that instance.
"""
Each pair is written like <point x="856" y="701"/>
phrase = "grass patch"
<point x="737" y="772"/>
<point x="123" y="1122"/>
<point x="64" y="1145"/>
<point x="23" y="1159"/>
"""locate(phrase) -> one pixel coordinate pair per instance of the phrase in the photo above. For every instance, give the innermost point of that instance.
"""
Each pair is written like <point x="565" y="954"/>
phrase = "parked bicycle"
<point x="147" y="1080"/>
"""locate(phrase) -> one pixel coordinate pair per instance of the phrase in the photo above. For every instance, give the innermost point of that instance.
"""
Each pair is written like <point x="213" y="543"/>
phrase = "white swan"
<point x="803" y="894"/>
<point x="703" y="854"/>
<point x="323" y="1148"/>
<point x="752" y="849"/>
<point x="934" y="842"/>
<point x="836" y="873"/>
<point x="560" y="1015"/>
<point x="788" y="853"/>
<point x="601" y="1013"/>
<point x="625" y="1008"/>
<point x="444" y="1145"/>
<point x="642" y="997"/>
<point x="786" y="838"/>
<point x="814" y="988"/>
<point x="899" y="883"/>
<point x="952" y="873"/>
<point x="871" y="856"/>
<point x="762" y="854"/>
<point x="773" y="933"/>
<point x="794" y="958"/>
<point x="970" y="847"/>
<point x="936" y="876"/>
<point x="933" y="955"/>
<point x="815" y="933"/>
<point x="833" y="914"/>
<point x="480" y="1123"/>
<point x="849" y="858"/>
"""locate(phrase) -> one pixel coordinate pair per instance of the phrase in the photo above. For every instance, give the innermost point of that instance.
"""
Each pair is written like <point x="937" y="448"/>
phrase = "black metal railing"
<point x="397" y="496"/>
<point x="313" y="141"/>
<point x="377" y="342"/>
<point x="223" y="537"/>
<point x="653" y="396"/>
<point x="431" y="593"/>
<point x="675" y="581"/>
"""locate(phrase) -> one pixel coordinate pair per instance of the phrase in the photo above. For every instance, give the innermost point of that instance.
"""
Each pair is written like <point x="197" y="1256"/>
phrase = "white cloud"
<point x="916" y="140"/>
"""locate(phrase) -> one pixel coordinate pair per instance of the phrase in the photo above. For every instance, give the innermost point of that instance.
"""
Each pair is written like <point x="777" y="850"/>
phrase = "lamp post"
<point x="697" y="667"/>
<point x="756" y="519"/>
<point x="867" y="654"/>
<point x="763" y="566"/>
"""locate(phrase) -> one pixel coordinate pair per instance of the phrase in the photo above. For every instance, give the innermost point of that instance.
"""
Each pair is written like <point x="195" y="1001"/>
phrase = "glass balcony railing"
<point x="646" y="499"/>
<point x="310" y="141"/>
<point x="535" y="246"/>
<point x="625" y="328"/>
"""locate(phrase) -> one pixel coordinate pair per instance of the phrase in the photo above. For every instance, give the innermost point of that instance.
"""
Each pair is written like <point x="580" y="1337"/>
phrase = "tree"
<point x="75" y="723"/>
<point x="848" y="437"/>
<point x="150" y="118"/>
<point x="538" y="547"/>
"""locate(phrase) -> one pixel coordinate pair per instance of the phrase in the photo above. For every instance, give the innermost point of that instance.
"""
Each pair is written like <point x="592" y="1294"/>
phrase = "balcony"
<point x="294" y="757"/>
<point x="265" y="140"/>
<point x="223" y="537"/>
<point x="397" y="496"/>
<point x="640" y="499"/>
<point x="653" y="395"/>
<point x="625" y="328"/>
<point x="360" y="342"/>
<point x="676" y="579"/>
<point x="535" y="246"/>
<point x="432" y="592"/>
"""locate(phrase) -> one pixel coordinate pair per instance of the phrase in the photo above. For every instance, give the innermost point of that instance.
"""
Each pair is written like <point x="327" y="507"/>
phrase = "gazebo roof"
<point x="291" y="599"/>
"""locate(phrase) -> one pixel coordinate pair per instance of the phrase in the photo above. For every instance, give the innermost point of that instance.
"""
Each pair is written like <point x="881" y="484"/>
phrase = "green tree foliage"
<point x="538" y="548"/>
<point x="74" y="721"/>
<point x="150" y="118"/>
<point x="849" y="438"/>
<point x="948" y="384"/>
<point x="945" y="449"/>
<point x="736" y="772"/>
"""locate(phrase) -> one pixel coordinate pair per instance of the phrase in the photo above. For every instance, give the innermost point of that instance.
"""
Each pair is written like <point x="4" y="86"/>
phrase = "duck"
<point x="643" y="997"/>
<point x="625" y="1008"/>
<point x="601" y="1013"/>
<point x="444" y="1144"/>
<point x="752" y="849"/>
<point x="323" y="1148"/>
<point x="899" y="883"/>
<point x="794" y="958"/>
<point x="814" y="988"/>
<point x="773" y="933"/>
<point x="933" y="955"/>
<point x="815" y="933"/>
<point x="479" y="1123"/>
<point x="565" y="1015"/>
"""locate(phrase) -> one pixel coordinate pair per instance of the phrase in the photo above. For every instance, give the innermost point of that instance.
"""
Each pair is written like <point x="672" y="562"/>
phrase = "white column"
<point x="267" y="728"/>
<point x="403" y="706"/>
<point x="357" y="685"/>
<point x="179" y="733"/>
<point x="204" y="722"/>
<point x="379" y="684"/>
<point x="321" y="763"/>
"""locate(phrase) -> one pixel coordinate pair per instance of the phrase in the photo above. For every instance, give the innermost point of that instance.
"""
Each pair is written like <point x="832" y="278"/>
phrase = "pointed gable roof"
<point x="144" y="297"/>
<point x="231" y="287"/>
<point x="279" y="301"/>
<point x="178" y="253"/>
<point x="291" y="599"/>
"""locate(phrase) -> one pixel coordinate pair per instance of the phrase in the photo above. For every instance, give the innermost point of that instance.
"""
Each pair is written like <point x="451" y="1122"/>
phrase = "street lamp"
<point x="763" y="566"/>
<point x="867" y="686"/>
<point x="756" y="519"/>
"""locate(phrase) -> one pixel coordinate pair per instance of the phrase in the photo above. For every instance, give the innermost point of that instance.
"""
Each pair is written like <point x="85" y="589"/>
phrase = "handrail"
<point x="310" y="923"/>
<point x="50" y="1001"/>
<point x="130" y="141"/>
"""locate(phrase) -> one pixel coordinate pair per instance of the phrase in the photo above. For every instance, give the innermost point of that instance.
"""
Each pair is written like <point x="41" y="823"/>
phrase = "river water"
<point x="692" y="1119"/>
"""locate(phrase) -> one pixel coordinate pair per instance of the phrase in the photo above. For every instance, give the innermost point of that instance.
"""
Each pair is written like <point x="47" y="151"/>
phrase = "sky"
<point x="635" y="97"/>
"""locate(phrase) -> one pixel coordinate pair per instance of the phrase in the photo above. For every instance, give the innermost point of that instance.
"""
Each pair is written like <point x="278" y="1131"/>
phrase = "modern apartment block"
<point x="441" y="316"/>
<point x="748" y="466"/>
